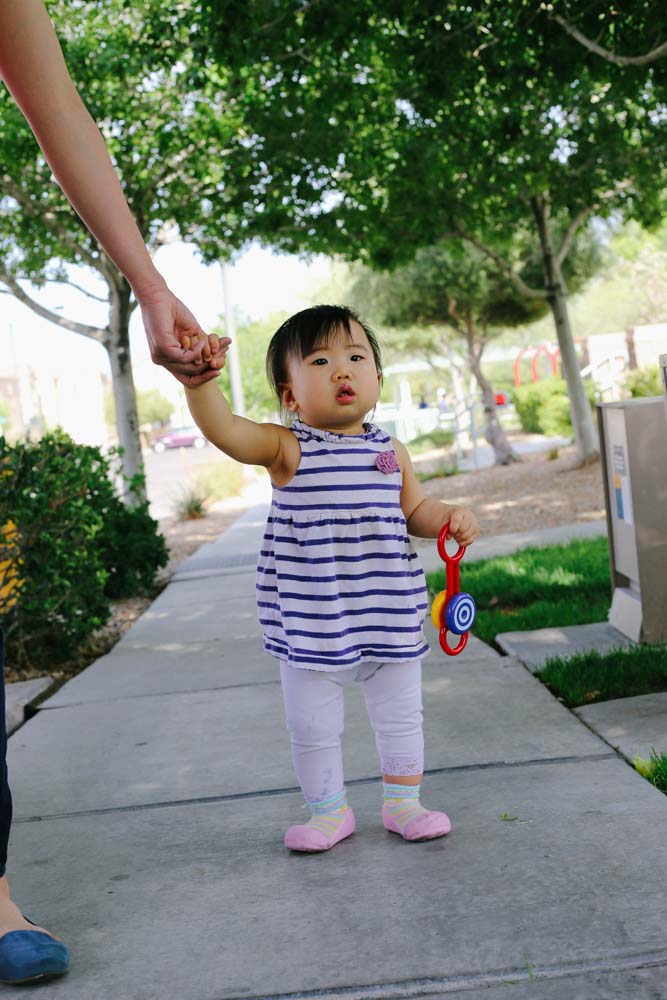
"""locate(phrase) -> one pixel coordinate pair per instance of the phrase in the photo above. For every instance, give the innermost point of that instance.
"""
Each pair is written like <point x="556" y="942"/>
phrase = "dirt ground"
<point x="534" y="493"/>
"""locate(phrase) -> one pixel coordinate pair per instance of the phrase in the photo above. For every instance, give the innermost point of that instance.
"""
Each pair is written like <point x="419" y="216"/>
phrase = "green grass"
<point x="655" y="769"/>
<point x="428" y="442"/>
<point x="589" y="677"/>
<point x="537" y="587"/>
<point x="448" y="470"/>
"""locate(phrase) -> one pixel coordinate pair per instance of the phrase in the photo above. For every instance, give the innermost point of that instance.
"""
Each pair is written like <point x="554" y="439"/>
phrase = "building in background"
<point x="54" y="388"/>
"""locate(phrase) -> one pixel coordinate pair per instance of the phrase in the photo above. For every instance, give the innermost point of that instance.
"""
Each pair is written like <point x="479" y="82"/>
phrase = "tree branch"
<point x="47" y="219"/>
<point x="72" y="284"/>
<point x="566" y="245"/>
<point x="592" y="46"/>
<point x="93" y="332"/>
<point x="515" y="278"/>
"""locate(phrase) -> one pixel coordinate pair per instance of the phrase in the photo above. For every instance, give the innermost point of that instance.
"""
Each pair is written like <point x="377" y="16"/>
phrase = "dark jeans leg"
<point x="5" y="794"/>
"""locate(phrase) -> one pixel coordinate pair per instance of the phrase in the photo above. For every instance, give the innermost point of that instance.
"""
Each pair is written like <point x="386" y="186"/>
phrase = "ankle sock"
<point x="328" y="814"/>
<point x="402" y="803"/>
<point x="402" y="813"/>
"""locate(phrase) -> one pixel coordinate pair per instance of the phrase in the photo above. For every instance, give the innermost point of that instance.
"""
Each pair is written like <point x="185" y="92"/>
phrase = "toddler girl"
<point x="340" y="592"/>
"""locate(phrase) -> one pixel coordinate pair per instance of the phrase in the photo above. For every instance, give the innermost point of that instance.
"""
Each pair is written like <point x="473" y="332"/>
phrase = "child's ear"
<point x="287" y="397"/>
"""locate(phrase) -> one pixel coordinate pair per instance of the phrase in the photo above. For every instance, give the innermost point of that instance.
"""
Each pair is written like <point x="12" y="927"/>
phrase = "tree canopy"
<point x="167" y="143"/>
<point x="386" y="126"/>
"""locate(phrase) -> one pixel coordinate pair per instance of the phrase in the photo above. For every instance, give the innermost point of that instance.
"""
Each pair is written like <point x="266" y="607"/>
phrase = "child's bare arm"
<point x="241" y="439"/>
<point x="425" y="516"/>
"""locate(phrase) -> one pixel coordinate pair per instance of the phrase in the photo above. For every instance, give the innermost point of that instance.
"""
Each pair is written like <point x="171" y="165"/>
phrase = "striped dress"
<point x="338" y="581"/>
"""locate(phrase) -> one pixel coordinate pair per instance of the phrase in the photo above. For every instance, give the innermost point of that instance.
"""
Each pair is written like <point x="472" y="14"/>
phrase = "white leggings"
<point x="314" y="707"/>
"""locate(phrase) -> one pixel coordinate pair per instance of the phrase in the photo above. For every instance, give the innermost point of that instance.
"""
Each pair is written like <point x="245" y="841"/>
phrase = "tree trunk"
<point x="493" y="432"/>
<point x="630" y="345"/>
<point x="580" y="408"/>
<point x="127" y="420"/>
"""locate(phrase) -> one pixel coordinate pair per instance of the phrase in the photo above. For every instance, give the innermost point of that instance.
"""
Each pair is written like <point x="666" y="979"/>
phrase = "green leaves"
<point x="67" y="544"/>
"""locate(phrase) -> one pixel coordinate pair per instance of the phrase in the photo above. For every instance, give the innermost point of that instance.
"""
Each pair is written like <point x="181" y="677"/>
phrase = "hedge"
<point x="68" y="545"/>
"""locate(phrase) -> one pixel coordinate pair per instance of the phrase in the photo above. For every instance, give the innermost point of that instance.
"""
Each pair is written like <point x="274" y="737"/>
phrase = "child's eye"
<point x="320" y="361"/>
<point x="357" y="357"/>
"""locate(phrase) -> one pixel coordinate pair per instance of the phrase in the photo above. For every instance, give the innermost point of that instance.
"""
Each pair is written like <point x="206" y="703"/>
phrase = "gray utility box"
<point x="633" y="443"/>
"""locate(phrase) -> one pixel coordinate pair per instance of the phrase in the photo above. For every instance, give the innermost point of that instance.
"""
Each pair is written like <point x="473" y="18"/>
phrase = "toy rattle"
<point x="451" y="610"/>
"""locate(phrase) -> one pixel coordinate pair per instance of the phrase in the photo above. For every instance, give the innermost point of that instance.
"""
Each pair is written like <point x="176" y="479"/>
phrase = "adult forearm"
<point x="75" y="151"/>
<point x="32" y="65"/>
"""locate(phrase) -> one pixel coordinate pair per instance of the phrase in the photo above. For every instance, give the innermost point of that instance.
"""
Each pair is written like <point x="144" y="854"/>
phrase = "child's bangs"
<point x="317" y="336"/>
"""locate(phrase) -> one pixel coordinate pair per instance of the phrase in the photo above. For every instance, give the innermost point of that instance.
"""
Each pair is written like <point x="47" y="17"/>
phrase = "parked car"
<point x="180" y="437"/>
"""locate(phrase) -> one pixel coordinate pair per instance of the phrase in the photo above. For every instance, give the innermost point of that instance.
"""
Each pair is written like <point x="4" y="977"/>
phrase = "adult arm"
<point x="33" y="67"/>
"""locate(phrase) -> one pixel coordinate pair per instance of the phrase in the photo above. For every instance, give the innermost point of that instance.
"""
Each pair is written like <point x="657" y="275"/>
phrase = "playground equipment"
<point x="552" y="353"/>
<point x="451" y="610"/>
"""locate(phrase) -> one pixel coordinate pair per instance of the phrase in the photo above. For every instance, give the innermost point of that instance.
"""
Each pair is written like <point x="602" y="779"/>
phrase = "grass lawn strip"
<point x="586" y="678"/>
<point x="536" y="587"/>
<point x="654" y="769"/>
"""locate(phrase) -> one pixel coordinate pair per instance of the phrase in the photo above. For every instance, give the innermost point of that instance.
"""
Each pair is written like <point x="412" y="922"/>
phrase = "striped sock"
<point x="402" y="803"/>
<point x="402" y="813"/>
<point x="328" y="814"/>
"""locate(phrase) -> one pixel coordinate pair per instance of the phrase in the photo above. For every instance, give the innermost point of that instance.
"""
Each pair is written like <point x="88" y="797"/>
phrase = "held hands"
<point x="211" y="349"/>
<point x="176" y="340"/>
<point x="463" y="525"/>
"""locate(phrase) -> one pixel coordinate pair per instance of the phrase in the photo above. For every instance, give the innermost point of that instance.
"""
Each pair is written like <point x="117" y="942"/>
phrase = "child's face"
<point x="336" y="386"/>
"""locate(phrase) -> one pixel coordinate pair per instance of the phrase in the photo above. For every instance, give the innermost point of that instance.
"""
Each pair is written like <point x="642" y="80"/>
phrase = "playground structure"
<point x="607" y="358"/>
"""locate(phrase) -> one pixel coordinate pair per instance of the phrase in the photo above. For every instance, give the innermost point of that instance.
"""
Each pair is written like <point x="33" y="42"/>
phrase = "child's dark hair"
<point x="305" y="332"/>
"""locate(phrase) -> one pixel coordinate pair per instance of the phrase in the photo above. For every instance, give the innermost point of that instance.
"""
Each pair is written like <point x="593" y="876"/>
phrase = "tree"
<point x="385" y="127"/>
<point x="630" y="28"/>
<point x="453" y="286"/>
<point x="166" y="141"/>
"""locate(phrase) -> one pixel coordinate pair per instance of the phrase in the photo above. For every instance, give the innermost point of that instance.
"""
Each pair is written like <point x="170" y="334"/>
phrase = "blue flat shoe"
<point x="29" y="956"/>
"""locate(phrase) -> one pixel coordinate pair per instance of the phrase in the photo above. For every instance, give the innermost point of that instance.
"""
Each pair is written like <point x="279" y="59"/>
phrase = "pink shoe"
<point x="307" y="838"/>
<point x="425" y="827"/>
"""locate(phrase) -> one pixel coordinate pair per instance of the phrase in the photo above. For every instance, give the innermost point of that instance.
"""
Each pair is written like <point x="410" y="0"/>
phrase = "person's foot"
<point x="11" y="918"/>
<point x="424" y="824"/>
<point x="403" y="813"/>
<point x="321" y="833"/>
<point x="28" y="953"/>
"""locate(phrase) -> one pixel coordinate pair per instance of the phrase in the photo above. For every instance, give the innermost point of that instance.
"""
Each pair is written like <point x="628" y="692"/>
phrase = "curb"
<point x="21" y="696"/>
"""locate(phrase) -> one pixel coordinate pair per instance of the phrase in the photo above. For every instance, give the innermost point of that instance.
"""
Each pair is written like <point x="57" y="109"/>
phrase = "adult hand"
<point x="167" y="321"/>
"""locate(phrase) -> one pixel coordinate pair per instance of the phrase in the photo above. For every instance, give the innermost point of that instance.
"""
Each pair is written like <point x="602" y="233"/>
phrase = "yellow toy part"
<point x="437" y="606"/>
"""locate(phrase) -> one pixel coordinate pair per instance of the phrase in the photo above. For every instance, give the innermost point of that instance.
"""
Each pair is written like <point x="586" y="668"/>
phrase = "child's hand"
<point x="213" y="350"/>
<point x="463" y="526"/>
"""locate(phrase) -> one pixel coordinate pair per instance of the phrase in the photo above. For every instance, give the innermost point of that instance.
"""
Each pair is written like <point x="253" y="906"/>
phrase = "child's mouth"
<point x="345" y="394"/>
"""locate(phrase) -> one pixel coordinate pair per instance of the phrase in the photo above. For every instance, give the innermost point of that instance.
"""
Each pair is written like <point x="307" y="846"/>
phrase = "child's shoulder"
<point x="283" y="469"/>
<point x="401" y="452"/>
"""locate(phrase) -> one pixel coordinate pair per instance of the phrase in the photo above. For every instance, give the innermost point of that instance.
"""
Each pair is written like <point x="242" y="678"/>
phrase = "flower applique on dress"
<point x="387" y="462"/>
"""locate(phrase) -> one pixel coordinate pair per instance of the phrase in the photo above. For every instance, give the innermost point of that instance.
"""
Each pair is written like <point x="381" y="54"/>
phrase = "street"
<point x="168" y="474"/>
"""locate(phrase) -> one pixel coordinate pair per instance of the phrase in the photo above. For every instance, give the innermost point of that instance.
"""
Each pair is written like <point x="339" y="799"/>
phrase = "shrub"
<point x="191" y="504"/>
<point x="58" y="598"/>
<point x="72" y="545"/>
<point x="544" y="408"/>
<point x="131" y="547"/>
<point x="555" y="419"/>
<point x="644" y="382"/>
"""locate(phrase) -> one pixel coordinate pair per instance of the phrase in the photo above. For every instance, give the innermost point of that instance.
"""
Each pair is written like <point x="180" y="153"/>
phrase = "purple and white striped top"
<point x="338" y="580"/>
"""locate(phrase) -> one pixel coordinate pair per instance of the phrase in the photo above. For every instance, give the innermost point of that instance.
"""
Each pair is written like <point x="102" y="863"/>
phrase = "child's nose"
<point x="341" y="374"/>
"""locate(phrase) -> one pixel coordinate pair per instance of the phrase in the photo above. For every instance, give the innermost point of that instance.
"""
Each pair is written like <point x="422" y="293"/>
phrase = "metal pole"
<point x="238" y="402"/>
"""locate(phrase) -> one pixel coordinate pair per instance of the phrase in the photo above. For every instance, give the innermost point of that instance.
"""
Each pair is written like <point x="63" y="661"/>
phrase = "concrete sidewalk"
<point x="153" y="790"/>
